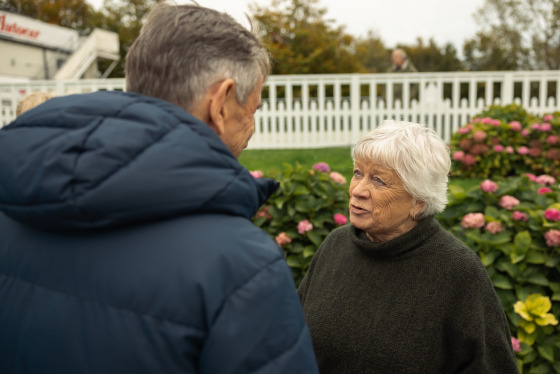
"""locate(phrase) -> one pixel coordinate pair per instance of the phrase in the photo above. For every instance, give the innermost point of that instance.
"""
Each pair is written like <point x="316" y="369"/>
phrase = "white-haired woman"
<point x="394" y="292"/>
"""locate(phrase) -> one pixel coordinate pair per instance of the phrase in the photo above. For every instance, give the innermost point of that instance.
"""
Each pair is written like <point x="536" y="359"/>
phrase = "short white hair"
<point x="418" y="156"/>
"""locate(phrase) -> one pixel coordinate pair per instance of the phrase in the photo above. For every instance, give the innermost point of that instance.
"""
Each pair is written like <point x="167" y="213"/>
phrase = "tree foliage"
<point x="431" y="57"/>
<point x="516" y="34"/>
<point x="302" y="41"/>
<point x="73" y="14"/>
<point x="124" y="17"/>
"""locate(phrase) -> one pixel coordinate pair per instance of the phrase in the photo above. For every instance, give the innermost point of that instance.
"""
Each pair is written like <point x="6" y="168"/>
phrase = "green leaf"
<point x="507" y="266"/>
<point x="522" y="242"/>
<point x="308" y="252"/>
<point x="301" y="190"/>
<point x="534" y="257"/>
<point x="294" y="261"/>
<point x="315" y="238"/>
<point x="537" y="279"/>
<point x="540" y="369"/>
<point x="500" y="281"/>
<point x="488" y="258"/>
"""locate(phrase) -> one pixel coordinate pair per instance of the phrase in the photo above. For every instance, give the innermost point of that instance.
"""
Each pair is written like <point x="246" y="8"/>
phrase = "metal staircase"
<point x="99" y="44"/>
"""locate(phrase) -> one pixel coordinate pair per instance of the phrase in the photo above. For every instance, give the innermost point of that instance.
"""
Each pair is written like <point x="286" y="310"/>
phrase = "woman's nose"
<point x="360" y="190"/>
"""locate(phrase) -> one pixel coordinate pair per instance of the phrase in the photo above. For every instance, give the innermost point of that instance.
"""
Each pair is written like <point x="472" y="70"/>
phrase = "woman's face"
<point x="379" y="204"/>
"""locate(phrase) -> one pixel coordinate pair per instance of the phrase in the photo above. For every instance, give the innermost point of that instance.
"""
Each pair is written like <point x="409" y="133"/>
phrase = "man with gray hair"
<point x="127" y="245"/>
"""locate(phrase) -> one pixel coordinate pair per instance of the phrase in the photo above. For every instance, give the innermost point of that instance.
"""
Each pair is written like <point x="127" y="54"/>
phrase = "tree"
<point x="528" y="30"/>
<point x="301" y="41"/>
<point x="495" y="50"/>
<point x="73" y="14"/>
<point x="124" y="17"/>
<point x="372" y="53"/>
<point x="431" y="57"/>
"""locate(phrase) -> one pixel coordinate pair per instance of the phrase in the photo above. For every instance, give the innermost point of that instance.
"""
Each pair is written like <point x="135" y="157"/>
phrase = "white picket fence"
<point x="315" y="111"/>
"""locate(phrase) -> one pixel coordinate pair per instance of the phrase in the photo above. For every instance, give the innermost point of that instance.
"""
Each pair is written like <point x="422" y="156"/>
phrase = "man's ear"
<point x="217" y="108"/>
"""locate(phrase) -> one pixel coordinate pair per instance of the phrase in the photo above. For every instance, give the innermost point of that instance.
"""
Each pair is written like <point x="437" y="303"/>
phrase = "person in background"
<point x="393" y="292"/>
<point x="127" y="244"/>
<point x="31" y="101"/>
<point x="400" y="63"/>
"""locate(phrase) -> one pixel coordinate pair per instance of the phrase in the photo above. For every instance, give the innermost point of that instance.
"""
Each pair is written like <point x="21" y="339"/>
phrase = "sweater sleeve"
<point x="478" y="336"/>
<point x="260" y="329"/>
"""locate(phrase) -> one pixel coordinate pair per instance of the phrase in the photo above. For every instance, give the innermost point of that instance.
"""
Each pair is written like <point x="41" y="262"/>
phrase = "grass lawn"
<point x="271" y="161"/>
<point x="339" y="159"/>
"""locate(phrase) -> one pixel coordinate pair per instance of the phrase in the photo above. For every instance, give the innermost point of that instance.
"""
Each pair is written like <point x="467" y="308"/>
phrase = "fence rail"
<point x="312" y="111"/>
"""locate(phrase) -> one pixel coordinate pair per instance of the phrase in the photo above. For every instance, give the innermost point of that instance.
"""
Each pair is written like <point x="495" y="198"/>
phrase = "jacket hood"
<point x="111" y="158"/>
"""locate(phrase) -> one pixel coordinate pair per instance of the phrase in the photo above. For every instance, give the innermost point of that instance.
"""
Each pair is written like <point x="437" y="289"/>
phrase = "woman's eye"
<point x="378" y="181"/>
<point x="356" y="172"/>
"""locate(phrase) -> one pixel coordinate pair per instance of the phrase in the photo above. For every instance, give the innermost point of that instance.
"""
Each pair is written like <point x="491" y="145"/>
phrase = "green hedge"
<point x="507" y="141"/>
<point x="514" y="226"/>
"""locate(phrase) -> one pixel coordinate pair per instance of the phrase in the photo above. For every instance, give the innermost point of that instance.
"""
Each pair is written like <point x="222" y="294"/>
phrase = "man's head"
<point x="204" y="62"/>
<point x="398" y="56"/>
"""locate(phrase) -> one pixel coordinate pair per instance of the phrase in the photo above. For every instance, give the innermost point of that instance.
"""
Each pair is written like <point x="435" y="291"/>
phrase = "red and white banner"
<point x="30" y="30"/>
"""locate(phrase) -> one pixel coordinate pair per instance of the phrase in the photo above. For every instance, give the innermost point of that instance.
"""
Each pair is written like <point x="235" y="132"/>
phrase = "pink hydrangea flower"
<point x="458" y="155"/>
<point x="515" y="125"/>
<point x="519" y="216"/>
<point x="532" y="177"/>
<point x="464" y="130"/>
<point x="498" y="148"/>
<point x="469" y="159"/>
<point x="523" y="150"/>
<point x="494" y="227"/>
<point x="337" y="177"/>
<point x="340" y="219"/>
<point x="544" y="190"/>
<point x="487" y="120"/>
<point x="509" y="149"/>
<point x="322" y="166"/>
<point x="489" y="186"/>
<point x="508" y="202"/>
<point x="495" y="122"/>
<point x="282" y="239"/>
<point x="479" y="135"/>
<point x="264" y="212"/>
<point x="304" y="226"/>
<point x="552" y="238"/>
<point x="548" y="117"/>
<point x="545" y="180"/>
<point x="552" y="214"/>
<point x="525" y="132"/>
<point x="473" y="221"/>
<point x="545" y="127"/>
<point x="256" y="173"/>
<point x="552" y="139"/>
<point x="516" y="344"/>
<point x="535" y="126"/>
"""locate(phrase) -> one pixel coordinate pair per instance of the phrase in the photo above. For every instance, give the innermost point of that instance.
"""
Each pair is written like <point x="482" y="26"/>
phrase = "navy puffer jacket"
<point x="126" y="247"/>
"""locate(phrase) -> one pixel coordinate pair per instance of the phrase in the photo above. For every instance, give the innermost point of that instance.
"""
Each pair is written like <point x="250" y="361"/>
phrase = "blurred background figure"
<point x="401" y="63"/>
<point x="31" y="101"/>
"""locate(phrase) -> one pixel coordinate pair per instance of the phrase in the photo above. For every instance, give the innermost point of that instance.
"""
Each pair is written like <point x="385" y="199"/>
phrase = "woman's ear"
<point x="217" y="108"/>
<point x="415" y="209"/>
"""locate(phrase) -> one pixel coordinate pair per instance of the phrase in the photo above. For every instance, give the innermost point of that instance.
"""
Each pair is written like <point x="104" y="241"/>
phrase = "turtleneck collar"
<point x="396" y="247"/>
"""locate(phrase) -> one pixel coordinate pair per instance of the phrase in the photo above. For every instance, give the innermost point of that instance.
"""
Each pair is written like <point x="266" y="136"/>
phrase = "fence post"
<point x="355" y="98"/>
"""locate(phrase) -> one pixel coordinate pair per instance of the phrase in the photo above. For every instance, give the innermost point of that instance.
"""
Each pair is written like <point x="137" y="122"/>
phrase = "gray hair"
<point x="417" y="154"/>
<point x="184" y="49"/>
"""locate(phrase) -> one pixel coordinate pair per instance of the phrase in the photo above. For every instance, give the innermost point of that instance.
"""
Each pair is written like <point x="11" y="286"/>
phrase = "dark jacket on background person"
<point x="126" y="247"/>
<point x="419" y="303"/>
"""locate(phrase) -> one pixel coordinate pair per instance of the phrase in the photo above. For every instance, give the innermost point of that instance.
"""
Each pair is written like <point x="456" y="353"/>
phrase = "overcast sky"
<point x="394" y="21"/>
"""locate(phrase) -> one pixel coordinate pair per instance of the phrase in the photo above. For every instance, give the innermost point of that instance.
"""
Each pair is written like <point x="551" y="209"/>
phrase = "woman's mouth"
<point x="356" y="209"/>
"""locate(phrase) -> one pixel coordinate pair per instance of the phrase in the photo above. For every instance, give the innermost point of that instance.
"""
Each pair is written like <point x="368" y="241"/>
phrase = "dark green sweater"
<point x="420" y="303"/>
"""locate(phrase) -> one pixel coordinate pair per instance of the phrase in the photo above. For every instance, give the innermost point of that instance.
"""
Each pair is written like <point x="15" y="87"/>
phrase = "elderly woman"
<point x="394" y="292"/>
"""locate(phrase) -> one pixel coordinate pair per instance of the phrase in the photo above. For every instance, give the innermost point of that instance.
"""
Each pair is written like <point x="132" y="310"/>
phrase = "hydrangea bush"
<point x="309" y="204"/>
<point x="514" y="226"/>
<point x="507" y="141"/>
